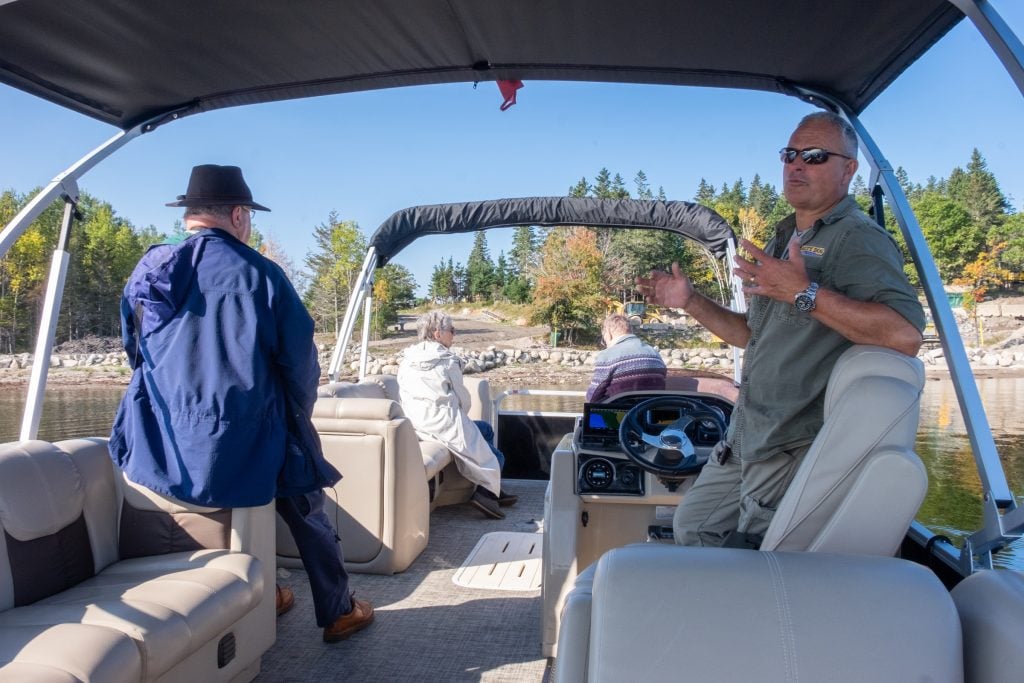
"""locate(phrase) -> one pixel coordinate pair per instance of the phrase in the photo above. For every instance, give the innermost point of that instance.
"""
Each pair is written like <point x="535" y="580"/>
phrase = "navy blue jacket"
<point x="219" y="342"/>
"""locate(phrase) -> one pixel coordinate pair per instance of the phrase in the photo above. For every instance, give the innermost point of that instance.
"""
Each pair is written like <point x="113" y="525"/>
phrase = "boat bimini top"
<point x="138" y="64"/>
<point x="696" y="222"/>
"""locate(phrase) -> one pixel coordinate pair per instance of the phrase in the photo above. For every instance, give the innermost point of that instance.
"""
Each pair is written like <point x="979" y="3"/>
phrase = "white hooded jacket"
<point x="436" y="401"/>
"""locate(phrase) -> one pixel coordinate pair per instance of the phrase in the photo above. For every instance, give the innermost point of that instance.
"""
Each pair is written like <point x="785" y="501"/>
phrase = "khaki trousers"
<point x="734" y="496"/>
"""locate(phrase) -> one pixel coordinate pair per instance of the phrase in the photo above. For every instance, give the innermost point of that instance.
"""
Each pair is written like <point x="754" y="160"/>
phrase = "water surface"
<point x="952" y="506"/>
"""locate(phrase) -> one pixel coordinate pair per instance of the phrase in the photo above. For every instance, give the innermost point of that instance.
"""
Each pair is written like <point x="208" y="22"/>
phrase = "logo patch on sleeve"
<point x="811" y="250"/>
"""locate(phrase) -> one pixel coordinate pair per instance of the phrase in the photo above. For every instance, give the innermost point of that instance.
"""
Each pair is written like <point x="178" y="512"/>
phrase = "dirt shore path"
<point x="474" y="332"/>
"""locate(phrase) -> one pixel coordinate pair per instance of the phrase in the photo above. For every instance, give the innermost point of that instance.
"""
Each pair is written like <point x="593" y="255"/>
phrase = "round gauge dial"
<point x="599" y="474"/>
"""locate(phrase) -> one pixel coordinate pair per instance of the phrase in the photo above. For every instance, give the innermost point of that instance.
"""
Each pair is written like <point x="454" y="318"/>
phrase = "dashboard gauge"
<point x="599" y="473"/>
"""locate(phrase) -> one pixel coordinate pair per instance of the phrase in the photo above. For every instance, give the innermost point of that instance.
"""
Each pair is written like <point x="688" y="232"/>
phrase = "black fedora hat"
<point x="213" y="185"/>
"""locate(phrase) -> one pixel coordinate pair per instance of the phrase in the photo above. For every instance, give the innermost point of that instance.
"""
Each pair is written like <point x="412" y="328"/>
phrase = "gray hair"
<point x="218" y="211"/>
<point x="841" y="126"/>
<point x="432" y="322"/>
<point x="615" y="325"/>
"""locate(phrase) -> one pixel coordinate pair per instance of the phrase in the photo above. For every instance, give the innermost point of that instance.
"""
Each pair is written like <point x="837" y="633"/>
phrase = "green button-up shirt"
<point x="790" y="355"/>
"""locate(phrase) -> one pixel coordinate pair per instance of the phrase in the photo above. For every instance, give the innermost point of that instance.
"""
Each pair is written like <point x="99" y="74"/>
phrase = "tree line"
<point x="105" y="247"/>
<point x="566" y="277"/>
<point x="569" y="276"/>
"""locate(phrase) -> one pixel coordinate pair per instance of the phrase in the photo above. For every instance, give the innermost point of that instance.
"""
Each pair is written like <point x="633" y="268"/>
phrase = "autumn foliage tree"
<point x="569" y="295"/>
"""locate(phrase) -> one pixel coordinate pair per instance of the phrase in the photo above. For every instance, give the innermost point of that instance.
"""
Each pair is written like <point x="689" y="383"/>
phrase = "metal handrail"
<point x="500" y="398"/>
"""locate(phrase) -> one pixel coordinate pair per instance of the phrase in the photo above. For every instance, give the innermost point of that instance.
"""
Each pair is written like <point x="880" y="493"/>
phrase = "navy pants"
<point x="320" y="550"/>
<point x="487" y="432"/>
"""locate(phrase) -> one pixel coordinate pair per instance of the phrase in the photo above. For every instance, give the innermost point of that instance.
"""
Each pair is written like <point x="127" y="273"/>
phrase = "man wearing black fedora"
<point x="224" y="380"/>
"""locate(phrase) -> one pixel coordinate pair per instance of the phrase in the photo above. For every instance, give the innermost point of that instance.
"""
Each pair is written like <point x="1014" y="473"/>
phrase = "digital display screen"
<point x="663" y="416"/>
<point x="602" y="419"/>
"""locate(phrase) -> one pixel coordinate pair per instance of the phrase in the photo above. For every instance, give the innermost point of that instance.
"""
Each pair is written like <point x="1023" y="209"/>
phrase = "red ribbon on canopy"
<point x="508" y="91"/>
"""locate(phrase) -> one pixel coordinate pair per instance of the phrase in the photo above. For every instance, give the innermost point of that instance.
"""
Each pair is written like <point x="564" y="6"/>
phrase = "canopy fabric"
<point x="126" y="62"/>
<point x="694" y="221"/>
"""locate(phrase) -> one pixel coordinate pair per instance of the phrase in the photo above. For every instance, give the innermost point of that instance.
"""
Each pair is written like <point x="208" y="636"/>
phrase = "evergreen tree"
<point x="393" y="289"/>
<point x="977" y="189"/>
<point x="441" y="283"/>
<point x="643" y="188"/>
<point x="705" y="193"/>
<point x="480" y="278"/>
<point x="904" y="180"/>
<point x="460" y="278"/>
<point x="762" y="198"/>
<point x="859" y="188"/>
<point x="521" y="261"/>
<point x="501" y="276"/>
<point x="580" y="189"/>
<point x="618" y="188"/>
<point x="602" y="188"/>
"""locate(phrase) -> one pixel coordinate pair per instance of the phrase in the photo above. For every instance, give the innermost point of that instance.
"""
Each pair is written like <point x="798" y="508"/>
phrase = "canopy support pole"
<point x="996" y="491"/>
<point x="364" y="350"/>
<point x="1001" y="39"/>
<point x="739" y="305"/>
<point x="48" y="324"/>
<point x="359" y="291"/>
<point x="63" y="184"/>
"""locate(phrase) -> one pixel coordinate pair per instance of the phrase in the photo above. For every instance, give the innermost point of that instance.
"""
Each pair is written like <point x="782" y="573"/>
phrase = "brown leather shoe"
<point x="506" y="499"/>
<point x="359" y="618"/>
<point x="285" y="599"/>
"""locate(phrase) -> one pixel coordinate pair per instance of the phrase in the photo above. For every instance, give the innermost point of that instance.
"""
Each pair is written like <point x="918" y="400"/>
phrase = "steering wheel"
<point x="670" y="453"/>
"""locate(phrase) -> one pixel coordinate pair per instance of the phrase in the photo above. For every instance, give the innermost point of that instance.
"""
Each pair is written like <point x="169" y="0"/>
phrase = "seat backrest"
<point x="479" y="393"/>
<point x="387" y="383"/>
<point x="67" y="513"/>
<point x="991" y="607"/>
<point x="364" y="389"/>
<point x="50" y="541"/>
<point x="382" y="502"/>
<point x="860" y="484"/>
<point x="667" y="613"/>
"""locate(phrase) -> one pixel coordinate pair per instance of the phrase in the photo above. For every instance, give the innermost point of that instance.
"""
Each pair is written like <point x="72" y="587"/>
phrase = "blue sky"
<point x="367" y="155"/>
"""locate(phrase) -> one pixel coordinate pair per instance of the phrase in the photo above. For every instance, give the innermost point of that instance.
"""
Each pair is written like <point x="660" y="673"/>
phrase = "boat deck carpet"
<point x="427" y="628"/>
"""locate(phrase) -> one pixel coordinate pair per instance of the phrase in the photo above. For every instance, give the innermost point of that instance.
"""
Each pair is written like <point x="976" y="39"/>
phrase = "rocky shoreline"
<point x="538" y="364"/>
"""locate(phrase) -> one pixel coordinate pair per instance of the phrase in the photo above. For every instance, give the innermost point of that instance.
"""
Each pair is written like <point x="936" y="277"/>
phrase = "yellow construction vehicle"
<point x="637" y="312"/>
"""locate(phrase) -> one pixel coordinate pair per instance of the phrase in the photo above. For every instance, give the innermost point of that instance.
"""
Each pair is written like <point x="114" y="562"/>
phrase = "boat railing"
<point x="497" y="401"/>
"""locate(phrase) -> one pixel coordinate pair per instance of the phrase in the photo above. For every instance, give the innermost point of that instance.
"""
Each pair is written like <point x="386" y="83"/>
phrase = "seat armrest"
<point x="480" y="394"/>
<point x="573" y="647"/>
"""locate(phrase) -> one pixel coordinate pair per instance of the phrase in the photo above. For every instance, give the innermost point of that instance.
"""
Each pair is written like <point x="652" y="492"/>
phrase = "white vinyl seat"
<point x="102" y="579"/>
<point x="991" y="607"/>
<point x="861" y="483"/>
<point x="390" y="479"/>
<point x="669" y="613"/>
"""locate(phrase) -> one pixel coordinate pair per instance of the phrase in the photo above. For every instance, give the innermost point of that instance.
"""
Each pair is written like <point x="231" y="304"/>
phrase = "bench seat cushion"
<point x="68" y="652"/>
<point x="435" y="457"/>
<point x="170" y="605"/>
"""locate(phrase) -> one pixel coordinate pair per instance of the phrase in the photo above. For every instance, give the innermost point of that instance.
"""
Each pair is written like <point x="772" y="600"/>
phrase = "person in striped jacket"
<point x="626" y="364"/>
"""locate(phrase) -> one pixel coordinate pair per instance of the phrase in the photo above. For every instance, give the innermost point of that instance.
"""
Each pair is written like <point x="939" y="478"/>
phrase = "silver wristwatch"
<point x="804" y="301"/>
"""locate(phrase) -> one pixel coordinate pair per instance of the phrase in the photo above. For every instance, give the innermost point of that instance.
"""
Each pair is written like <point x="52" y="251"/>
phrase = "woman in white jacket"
<point x="436" y="401"/>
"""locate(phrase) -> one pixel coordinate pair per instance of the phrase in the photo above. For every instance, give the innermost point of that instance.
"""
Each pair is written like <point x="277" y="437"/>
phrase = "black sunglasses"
<point x="811" y="156"/>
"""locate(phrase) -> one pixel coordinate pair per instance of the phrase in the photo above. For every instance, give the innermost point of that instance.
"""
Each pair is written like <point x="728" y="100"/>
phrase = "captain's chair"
<point x="858" y="488"/>
<point x="861" y="483"/>
<point x="666" y="613"/>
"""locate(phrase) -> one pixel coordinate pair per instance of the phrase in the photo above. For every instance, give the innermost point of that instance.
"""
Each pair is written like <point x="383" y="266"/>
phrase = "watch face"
<point x="804" y="302"/>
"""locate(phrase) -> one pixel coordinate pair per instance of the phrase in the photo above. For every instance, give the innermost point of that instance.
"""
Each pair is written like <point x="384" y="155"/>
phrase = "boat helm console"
<point x="669" y="436"/>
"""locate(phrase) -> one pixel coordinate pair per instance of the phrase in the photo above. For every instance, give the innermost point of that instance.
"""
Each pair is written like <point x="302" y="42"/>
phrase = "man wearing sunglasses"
<point x="829" y="278"/>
